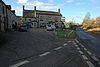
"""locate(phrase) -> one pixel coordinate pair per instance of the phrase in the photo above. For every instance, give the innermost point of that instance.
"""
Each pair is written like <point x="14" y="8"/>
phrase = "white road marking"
<point x="84" y="57"/>
<point x="85" y="49"/>
<point x="44" y="54"/>
<point x="82" y="46"/>
<point x="69" y="41"/>
<point x="74" y="42"/>
<point x="78" y="48"/>
<point x="20" y="63"/>
<point x="80" y="52"/>
<point x="94" y="58"/>
<point x="65" y="44"/>
<point x="90" y="64"/>
<point x="89" y="52"/>
<point x="57" y="48"/>
<point x="76" y="45"/>
<point x="77" y="41"/>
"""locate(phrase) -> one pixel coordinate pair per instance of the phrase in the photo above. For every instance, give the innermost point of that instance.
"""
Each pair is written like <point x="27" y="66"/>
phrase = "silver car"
<point x="50" y="27"/>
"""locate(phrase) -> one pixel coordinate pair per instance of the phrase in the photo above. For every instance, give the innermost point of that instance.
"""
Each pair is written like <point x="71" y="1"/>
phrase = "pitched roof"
<point x="30" y="13"/>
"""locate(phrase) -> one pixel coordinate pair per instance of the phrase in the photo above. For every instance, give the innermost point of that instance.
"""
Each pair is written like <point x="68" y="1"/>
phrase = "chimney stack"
<point x="9" y="6"/>
<point x="34" y="7"/>
<point x="59" y="10"/>
<point x="34" y="11"/>
<point x="23" y="7"/>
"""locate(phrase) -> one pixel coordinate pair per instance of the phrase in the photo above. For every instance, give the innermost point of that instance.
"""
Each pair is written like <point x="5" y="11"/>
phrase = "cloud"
<point x="95" y="1"/>
<point x="17" y="9"/>
<point x="69" y="1"/>
<point x="50" y="1"/>
<point x="97" y="7"/>
<point x="83" y="13"/>
<point x="22" y="1"/>
<point x="73" y="17"/>
<point x="35" y="3"/>
<point x="78" y="3"/>
<point x="49" y="7"/>
<point x="43" y="5"/>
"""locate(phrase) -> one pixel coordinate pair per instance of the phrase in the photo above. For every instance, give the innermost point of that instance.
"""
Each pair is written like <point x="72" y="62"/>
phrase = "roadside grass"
<point x="95" y="32"/>
<point x="71" y="34"/>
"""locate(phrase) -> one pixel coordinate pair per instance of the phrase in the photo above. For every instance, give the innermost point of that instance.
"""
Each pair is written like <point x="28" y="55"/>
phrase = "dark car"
<point x="23" y="27"/>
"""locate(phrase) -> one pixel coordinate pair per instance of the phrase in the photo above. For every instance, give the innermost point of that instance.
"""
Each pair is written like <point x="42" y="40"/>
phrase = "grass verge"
<point x="71" y="34"/>
<point x="95" y="32"/>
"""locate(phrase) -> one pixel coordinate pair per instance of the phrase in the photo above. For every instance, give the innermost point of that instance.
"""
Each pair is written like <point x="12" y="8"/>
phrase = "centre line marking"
<point x="57" y="48"/>
<point x="20" y="63"/>
<point x="46" y="53"/>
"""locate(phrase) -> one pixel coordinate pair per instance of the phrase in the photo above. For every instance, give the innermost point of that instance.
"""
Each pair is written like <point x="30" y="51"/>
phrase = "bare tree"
<point x="87" y="17"/>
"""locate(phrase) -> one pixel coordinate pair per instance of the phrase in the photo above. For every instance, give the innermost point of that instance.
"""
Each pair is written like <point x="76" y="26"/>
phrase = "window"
<point x="3" y="10"/>
<point x="56" y="19"/>
<point x="29" y="19"/>
<point x="25" y="19"/>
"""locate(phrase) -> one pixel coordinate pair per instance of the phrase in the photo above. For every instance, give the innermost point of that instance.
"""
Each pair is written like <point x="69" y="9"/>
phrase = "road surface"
<point x="39" y="48"/>
<point x="92" y="42"/>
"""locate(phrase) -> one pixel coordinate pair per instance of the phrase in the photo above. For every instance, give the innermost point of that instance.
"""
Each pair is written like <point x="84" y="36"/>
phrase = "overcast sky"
<point x="72" y="9"/>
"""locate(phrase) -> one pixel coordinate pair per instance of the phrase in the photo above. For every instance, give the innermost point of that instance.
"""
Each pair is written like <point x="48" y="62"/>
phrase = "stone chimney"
<point x="9" y="6"/>
<point x="34" y="7"/>
<point x="13" y="11"/>
<point x="23" y="7"/>
<point x="59" y="10"/>
<point x="34" y="11"/>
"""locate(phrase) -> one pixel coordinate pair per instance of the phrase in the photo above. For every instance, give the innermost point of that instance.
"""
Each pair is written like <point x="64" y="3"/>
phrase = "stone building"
<point x="7" y="17"/>
<point x="40" y="18"/>
<point x="19" y="20"/>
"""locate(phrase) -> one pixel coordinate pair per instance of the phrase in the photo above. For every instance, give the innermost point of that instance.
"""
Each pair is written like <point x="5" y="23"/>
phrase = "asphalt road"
<point x="39" y="48"/>
<point x="92" y="42"/>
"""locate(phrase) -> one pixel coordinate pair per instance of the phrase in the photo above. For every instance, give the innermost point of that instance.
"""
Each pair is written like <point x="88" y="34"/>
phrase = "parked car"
<point x="23" y="27"/>
<point x="50" y="27"/>
<point x="43" y="25"/>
